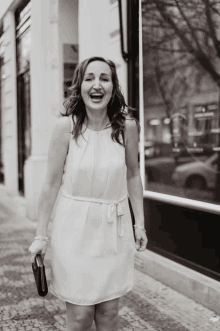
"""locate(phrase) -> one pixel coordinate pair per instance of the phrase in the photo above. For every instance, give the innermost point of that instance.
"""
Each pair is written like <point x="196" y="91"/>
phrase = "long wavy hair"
<point x="116" y="107"/>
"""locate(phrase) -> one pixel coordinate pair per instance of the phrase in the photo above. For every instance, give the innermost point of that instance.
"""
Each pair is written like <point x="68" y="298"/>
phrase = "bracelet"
<point x="140" y="227"/>
<point x="42" y="238"/>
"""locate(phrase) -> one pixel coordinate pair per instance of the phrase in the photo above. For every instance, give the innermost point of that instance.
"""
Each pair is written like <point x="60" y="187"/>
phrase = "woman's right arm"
<point x="57" y="152"/>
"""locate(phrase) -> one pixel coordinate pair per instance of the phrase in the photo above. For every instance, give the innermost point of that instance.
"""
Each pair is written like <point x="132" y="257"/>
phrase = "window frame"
<point x="161" y="197"/>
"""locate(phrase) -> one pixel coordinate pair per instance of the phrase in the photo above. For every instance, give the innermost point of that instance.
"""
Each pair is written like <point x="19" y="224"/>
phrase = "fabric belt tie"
<point x="115" y="213"/>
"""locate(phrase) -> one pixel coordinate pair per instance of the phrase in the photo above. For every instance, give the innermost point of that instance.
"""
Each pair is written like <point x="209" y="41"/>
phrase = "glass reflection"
<point x="181" y="97"/>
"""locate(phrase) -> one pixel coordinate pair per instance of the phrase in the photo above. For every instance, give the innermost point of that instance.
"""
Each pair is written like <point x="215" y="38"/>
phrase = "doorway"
<point x="23" y="45"/>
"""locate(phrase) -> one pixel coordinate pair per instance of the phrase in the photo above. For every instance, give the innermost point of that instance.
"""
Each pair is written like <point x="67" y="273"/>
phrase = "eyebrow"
<point x="91" y="74"/>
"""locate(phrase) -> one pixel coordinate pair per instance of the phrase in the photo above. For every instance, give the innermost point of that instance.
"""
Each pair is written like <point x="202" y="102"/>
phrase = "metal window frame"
<point x="141" y="100"/>
<point x="173" y="200"/>
<point x="183" y="202"/>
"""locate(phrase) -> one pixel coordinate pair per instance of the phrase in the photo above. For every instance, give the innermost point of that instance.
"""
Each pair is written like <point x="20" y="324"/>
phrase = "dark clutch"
<point x="132" y="216"/>
<point x="40" y="276"/>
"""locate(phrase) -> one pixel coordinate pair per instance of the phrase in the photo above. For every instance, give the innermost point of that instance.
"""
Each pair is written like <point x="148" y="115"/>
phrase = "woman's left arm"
<point x="135" y="187"/>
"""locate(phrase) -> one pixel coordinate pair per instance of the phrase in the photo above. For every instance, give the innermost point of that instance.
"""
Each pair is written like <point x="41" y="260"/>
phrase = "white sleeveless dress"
<point x="92" y="242"/>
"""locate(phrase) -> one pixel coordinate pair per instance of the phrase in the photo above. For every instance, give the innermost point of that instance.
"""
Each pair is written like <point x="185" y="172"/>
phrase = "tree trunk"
<point x="173" y="142"/>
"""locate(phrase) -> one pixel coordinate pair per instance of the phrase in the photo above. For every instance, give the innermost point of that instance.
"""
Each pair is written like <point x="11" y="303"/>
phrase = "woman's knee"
<point x="79" y="316"/>
<point x="107" y="312"/>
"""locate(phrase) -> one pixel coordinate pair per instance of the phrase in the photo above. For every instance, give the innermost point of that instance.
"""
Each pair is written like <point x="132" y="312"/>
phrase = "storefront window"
<point x="70" y="55"/>
<point x="23" y="47"/>
<point x="181" y="98"/>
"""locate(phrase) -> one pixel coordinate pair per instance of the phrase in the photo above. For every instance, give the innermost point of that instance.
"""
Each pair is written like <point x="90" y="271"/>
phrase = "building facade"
<point x="41" y="42"/>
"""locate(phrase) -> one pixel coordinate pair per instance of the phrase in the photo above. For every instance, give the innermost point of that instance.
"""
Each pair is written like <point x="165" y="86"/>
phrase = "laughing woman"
<point x="94" y="149"/>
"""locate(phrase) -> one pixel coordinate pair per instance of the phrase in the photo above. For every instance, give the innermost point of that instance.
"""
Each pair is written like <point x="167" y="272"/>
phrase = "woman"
<point x="95" y="146"/>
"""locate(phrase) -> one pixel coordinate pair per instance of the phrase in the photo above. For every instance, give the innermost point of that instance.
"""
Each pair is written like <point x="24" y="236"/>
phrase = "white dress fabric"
<point x="92" y="242"/>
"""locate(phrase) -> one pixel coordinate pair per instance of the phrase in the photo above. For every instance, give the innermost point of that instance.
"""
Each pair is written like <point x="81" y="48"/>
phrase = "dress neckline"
<point x="95" y="130"/>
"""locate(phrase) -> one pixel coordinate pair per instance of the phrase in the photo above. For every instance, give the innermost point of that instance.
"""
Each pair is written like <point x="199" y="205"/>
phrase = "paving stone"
<point x="150" y="306"/>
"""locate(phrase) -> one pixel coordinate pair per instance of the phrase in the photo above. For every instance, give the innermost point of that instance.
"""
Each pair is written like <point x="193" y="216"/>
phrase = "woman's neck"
<point x="97" y="122"/>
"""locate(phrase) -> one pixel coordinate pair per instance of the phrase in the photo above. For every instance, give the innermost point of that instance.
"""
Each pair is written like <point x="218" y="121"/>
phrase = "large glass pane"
<point x="23" y="46"/>
<point x="70" y="61"/>
<point x="23" y="52"/>
<point x="23" y="13"/>
<point x="181" y="97"/>
<point x="23" y="37"/>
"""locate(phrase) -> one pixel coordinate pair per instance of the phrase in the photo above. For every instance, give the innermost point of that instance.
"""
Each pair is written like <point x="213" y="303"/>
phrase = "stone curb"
<point x="192" y="284"/>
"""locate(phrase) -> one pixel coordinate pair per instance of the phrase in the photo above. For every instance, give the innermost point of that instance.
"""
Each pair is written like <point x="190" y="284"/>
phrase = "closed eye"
<point x="102" y="79"/>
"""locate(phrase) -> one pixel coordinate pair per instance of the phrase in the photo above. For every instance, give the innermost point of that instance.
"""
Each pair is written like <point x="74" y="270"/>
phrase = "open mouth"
<point x="96" y="97"/>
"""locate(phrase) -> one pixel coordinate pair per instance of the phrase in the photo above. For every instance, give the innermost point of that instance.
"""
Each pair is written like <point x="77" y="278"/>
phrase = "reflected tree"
<point x="182" y="43"/>
<point x="174" y="81"/>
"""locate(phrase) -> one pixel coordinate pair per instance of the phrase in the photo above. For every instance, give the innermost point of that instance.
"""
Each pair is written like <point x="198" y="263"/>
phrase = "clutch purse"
<point x="132" y="216"/>
<point x="40" y="276"/>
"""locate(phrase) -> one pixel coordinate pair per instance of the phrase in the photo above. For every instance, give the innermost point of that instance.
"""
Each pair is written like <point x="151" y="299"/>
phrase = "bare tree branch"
<point x="199" y="55"/>
<point x="211" y="27"/>
<point x="189" y="25"/>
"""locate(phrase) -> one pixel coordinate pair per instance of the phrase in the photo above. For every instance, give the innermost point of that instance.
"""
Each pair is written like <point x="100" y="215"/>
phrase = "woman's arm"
<point x="135" y="191"/>
<point x="135" y="187"/>
<point x="57" y="152"/>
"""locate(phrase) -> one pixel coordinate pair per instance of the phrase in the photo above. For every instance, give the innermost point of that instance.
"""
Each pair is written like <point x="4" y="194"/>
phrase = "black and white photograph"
<point x="109" y="165"/>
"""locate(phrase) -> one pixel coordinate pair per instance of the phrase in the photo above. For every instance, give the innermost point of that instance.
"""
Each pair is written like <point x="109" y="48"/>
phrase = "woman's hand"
<point x="141" y="239"/>
<point x="38" y="247"/>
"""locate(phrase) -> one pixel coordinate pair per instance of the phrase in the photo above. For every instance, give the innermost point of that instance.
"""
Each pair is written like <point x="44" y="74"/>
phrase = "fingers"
<point x="141" y="243"/>
<point x="33" y="258"/>
<point x="137" y="244"/>
<point x="37" y="248"/>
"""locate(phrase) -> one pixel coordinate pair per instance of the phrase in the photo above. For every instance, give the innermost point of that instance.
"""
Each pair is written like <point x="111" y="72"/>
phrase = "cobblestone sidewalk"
<point x="150" y="306"/>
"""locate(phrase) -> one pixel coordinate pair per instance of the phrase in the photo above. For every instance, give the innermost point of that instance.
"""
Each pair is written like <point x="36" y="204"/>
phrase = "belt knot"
<point x="115" y="216"/>
<point x="115" y="209"/>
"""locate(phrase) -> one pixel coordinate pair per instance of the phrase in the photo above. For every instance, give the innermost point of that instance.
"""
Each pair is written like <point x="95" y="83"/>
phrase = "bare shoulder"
<point x="58" y="149"/>
<point x="131" y="128"/>
<point x="130" y="122"/>
<point x="61" y="130"/>
<point x="62" y="127"/>
<point x="60" y="134"/>
<point x="131" y="149"/>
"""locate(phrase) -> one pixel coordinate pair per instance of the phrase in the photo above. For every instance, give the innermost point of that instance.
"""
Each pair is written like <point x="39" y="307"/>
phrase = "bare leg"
<point x="106" y="315"/>
<point x="79" y="318"/>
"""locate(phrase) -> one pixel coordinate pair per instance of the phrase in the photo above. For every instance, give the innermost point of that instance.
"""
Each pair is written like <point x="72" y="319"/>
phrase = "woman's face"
<point x="97" y="86"/>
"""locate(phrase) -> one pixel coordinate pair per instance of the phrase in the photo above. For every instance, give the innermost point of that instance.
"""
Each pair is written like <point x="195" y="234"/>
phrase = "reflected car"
<point x="197" y="175"/>
<point x="161" y="169"/>
<point x="187" y="154"/>
<point x="155" y="149"/>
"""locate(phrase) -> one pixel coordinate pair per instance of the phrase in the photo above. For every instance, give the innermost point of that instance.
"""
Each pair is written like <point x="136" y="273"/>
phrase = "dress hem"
<point x="89" y="304"/>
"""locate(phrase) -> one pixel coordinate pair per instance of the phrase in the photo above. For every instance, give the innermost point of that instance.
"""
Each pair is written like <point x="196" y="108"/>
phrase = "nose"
<point x="97" y="84"/>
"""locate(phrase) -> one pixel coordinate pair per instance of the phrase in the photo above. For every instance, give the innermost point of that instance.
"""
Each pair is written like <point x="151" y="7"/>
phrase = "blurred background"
<point x="41" y="42"/>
